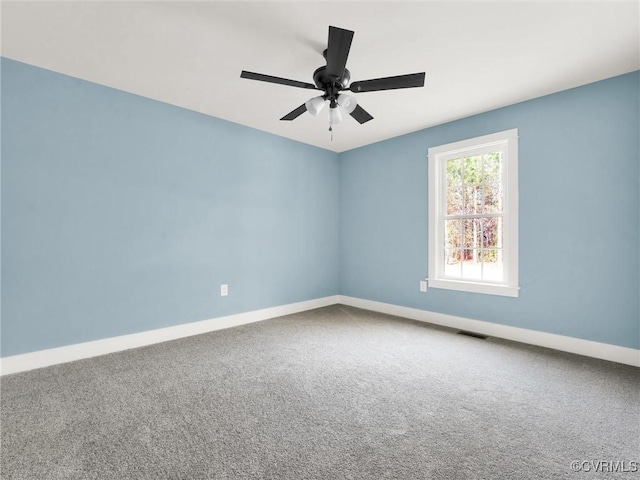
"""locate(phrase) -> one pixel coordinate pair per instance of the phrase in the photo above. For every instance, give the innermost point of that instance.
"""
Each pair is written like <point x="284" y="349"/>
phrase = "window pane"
<point x="454" y="201"/>
<point x="472" y="199"/>
<point x="472" y="264"/>
<point x="493" y="167"/>
<point x="454" y="173"/>
<point x="452" y="265"/>
<point x="492" y="198"/>
<point x="472" y="232"/>
<point x="491" y="232"/>
<point x="473" y="170"/>
<point x="452" y="233"/>
<point x="493" y="268"/>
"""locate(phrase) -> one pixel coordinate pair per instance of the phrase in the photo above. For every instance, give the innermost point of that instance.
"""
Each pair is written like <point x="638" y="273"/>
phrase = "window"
<point x="473" y="215"/>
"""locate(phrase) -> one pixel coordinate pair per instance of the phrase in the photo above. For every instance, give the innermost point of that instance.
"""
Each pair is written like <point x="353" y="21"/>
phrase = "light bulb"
<point x="315" y="105"/>
<point x="335" y="116"/>
<point x="347" y="102"/>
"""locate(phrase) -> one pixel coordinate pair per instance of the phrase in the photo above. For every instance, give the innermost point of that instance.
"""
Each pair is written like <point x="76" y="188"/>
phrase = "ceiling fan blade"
<point x="282" y="81"/>
<point x="293" y="114"/>
<point x="338" y="51"/>
<point x="389" y="83"/>
<point x="361" y="115"/>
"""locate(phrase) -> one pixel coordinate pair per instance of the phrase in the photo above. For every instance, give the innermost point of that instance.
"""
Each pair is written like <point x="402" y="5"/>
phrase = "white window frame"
<point x="438" y="156"/>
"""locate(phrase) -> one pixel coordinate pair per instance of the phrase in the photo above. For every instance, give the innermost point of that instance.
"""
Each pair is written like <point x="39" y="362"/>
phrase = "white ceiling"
<point x="477" y="55"/>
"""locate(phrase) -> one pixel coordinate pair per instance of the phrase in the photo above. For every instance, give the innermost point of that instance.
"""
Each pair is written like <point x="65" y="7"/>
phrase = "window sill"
<point x="473" y="287"/>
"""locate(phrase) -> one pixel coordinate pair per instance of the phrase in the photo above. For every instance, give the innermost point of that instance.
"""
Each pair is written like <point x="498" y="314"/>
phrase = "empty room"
<point x="320" y="240"/>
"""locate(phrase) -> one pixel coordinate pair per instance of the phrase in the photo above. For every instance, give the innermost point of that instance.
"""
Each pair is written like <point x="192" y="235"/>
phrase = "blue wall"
<point x="579" y="176"/>
<point x="121" y="214"/>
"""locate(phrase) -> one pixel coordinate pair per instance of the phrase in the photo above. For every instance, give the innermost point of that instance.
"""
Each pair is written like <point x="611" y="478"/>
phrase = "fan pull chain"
<point x="331" y="133"/>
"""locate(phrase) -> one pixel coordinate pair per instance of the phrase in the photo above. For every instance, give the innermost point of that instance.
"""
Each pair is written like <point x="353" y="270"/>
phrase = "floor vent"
<point x="472" y="334"/>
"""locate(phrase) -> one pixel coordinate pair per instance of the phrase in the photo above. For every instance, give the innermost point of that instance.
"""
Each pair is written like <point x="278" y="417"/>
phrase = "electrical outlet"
<point x="423" y="285"/>
<point x="224" y="290"/>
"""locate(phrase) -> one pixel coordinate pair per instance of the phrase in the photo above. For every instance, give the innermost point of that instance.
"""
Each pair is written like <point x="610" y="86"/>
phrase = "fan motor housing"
<point x="325" y="82"/>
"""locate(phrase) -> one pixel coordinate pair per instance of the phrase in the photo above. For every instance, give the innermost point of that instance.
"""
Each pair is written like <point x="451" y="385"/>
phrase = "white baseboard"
<point x="69" y="353"/>
<point x="588" y="348"/>
<point x="54" y="356"/>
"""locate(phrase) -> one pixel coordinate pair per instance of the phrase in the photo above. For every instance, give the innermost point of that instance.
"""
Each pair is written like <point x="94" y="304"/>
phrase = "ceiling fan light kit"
<point x="335" y="116"/>
<point x="315" y="105"/>
<point x="347" y="102"/>
<point x="334" y="78"/>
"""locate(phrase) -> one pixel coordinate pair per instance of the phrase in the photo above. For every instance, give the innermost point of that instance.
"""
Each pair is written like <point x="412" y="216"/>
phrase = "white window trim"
<point x="437" y="158"/>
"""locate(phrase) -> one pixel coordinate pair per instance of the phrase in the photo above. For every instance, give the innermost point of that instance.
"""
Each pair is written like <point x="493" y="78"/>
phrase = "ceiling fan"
<point x="335" y="78"/>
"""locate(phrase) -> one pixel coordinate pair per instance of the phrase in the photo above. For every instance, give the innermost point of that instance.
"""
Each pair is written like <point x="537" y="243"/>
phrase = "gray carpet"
<point x="334" y="393"/>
